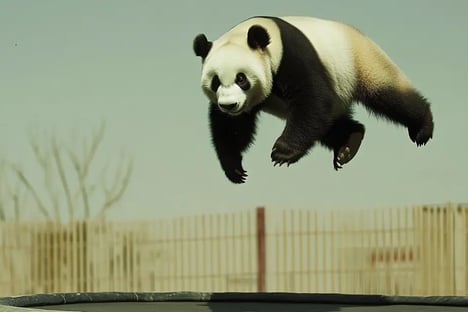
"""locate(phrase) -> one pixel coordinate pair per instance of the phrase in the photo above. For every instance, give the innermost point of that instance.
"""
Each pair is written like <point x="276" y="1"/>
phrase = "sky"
<point x="66" y="66"/>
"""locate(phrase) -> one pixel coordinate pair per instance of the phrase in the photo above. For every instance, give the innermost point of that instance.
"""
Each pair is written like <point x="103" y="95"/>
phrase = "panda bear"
<point x="306" y="71"/>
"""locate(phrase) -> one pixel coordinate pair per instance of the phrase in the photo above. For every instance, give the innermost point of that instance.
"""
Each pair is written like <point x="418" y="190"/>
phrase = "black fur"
<point x="215" y="83"/>
<point x="231" y="136"/>
<point x="201" y="46"/>
<point x="344" y="139"/>
<point x="409" y="109"/>
<point x="257" y="37"/>
<point x="302" y="81"/>
<point x="242" y="81"/>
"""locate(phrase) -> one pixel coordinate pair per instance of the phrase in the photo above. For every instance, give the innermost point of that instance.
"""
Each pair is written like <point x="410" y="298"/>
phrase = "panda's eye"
<point x="242" y="82"/>
<point x="215" y="83"/>
<point x="240" y="78"/>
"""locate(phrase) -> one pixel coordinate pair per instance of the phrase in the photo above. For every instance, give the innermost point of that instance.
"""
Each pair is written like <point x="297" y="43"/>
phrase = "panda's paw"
<point x="347" y="152"/>
<point x="342" y="157"/>
<point x="236" y="176"/>
<point x="232" y="167"/>
<point x="284" y="153"/>
<point x="422" y="134"/>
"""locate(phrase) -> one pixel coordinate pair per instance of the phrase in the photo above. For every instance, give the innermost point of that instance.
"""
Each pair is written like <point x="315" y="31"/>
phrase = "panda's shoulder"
<point x="323" y="32"/>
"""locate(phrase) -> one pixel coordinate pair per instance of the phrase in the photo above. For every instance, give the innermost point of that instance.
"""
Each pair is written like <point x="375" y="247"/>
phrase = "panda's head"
<point x="236" y="71"/>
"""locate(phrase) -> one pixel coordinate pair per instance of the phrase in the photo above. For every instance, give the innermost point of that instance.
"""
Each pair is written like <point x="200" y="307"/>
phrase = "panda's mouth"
<point x="231" y="108"/>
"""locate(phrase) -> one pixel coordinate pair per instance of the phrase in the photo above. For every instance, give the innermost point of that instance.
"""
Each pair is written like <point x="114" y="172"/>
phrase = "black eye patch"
<point x="215" y="83"/>
<point x="242" y="81"/>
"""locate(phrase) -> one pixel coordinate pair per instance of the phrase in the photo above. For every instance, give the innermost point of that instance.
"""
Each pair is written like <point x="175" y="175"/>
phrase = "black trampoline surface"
<point x="241" y="307"/>
<point x="229" y="302"/>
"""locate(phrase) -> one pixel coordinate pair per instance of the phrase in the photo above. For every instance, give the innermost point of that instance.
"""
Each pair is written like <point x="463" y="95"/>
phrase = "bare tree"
<point x="68" y="172"/>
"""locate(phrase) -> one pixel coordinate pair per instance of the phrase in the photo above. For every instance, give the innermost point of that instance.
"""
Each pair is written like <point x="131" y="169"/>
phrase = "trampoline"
<point x="228" y="302"/>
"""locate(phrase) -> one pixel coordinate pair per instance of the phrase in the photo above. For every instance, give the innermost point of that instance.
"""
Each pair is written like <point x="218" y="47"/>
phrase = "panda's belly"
<point x="277" y="107"/>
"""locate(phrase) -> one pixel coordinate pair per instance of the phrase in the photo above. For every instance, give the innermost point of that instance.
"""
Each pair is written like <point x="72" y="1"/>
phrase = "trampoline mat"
<point x="229" y="302"/>
<point x="242" y="307"/>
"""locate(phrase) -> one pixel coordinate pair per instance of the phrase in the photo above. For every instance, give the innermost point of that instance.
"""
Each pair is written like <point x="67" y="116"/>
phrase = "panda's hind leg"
<point x="406" y="107"/>
<point x="344" y="139"/>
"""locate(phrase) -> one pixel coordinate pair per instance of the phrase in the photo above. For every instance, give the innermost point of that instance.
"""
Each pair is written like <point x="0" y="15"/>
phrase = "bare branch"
<point x="2" y="211"/>
<point x="32" y="190"/>
<point x="82" y="168"/>
<point x="2" y="191"/>
<point x="16" y="197"/>
<point x="96" y="141"/>
<point x="63" y="177"/>
<point x="17" y="202"/>
<point x="43" y="158"/>
<point x="81" y="183"/>
<point x="118" y="189"/>
<point x="8" y="197"/>
<point x="40" y="157"/>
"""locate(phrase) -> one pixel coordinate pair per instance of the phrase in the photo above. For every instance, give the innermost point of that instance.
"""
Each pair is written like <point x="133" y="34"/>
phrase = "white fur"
<point x="331" y="41"/>
<point x="374" y="67"/>
<point x="228" y="59"/>
<point x="238" y="35"/>
<point x="230" y="55"/>
<point x="231" y="95"/>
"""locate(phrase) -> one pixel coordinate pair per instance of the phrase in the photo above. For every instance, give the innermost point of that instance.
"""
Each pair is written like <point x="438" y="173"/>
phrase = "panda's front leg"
<point x="308" y="120"/>
<point x="231" y="136"/>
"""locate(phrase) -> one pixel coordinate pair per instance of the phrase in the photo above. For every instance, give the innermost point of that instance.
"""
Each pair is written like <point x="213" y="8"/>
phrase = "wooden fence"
<point x="421" y="250"/>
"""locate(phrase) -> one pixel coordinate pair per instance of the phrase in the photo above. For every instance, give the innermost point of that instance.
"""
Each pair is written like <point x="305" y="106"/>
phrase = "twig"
<point x="63" y="178"/>
<point x="33" y="192"/>
<point x="117" y="191"/>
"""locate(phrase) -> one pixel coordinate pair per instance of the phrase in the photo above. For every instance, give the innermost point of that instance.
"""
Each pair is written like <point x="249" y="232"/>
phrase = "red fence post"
<point x="261" y="249"/>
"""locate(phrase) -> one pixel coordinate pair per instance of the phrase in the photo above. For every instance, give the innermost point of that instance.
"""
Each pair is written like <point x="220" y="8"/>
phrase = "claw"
<point x="337" y="164"/>
<point x="277" y="163"/>
<point x="237" y="175"/>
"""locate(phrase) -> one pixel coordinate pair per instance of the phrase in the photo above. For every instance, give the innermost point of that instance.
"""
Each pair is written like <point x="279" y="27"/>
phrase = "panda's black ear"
<point x="258" y="37"/>
<point x="201" y="46"/>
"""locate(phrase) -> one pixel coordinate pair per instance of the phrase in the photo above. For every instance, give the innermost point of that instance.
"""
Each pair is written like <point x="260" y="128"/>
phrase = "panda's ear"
<point x="258" y="37"/>
<point x="201" y="45"/>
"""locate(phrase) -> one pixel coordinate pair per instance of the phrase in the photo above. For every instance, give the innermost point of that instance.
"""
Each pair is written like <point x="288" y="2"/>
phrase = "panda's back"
<point x="351" y="57"/>
<point x="333" y="44"/>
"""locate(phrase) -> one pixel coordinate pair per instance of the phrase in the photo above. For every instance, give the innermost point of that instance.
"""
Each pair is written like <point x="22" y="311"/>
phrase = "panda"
<point x="307" y="71"/>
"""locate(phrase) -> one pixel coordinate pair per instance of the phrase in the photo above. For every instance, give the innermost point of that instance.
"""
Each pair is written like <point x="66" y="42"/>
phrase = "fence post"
<point x="261" y="249"/>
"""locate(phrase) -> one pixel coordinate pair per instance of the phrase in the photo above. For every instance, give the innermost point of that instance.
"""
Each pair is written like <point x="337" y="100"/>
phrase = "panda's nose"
<point x="228" y="107"/>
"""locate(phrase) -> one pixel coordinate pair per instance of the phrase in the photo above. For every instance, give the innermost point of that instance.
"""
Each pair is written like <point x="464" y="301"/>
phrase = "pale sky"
<point x="67" y="65"/>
